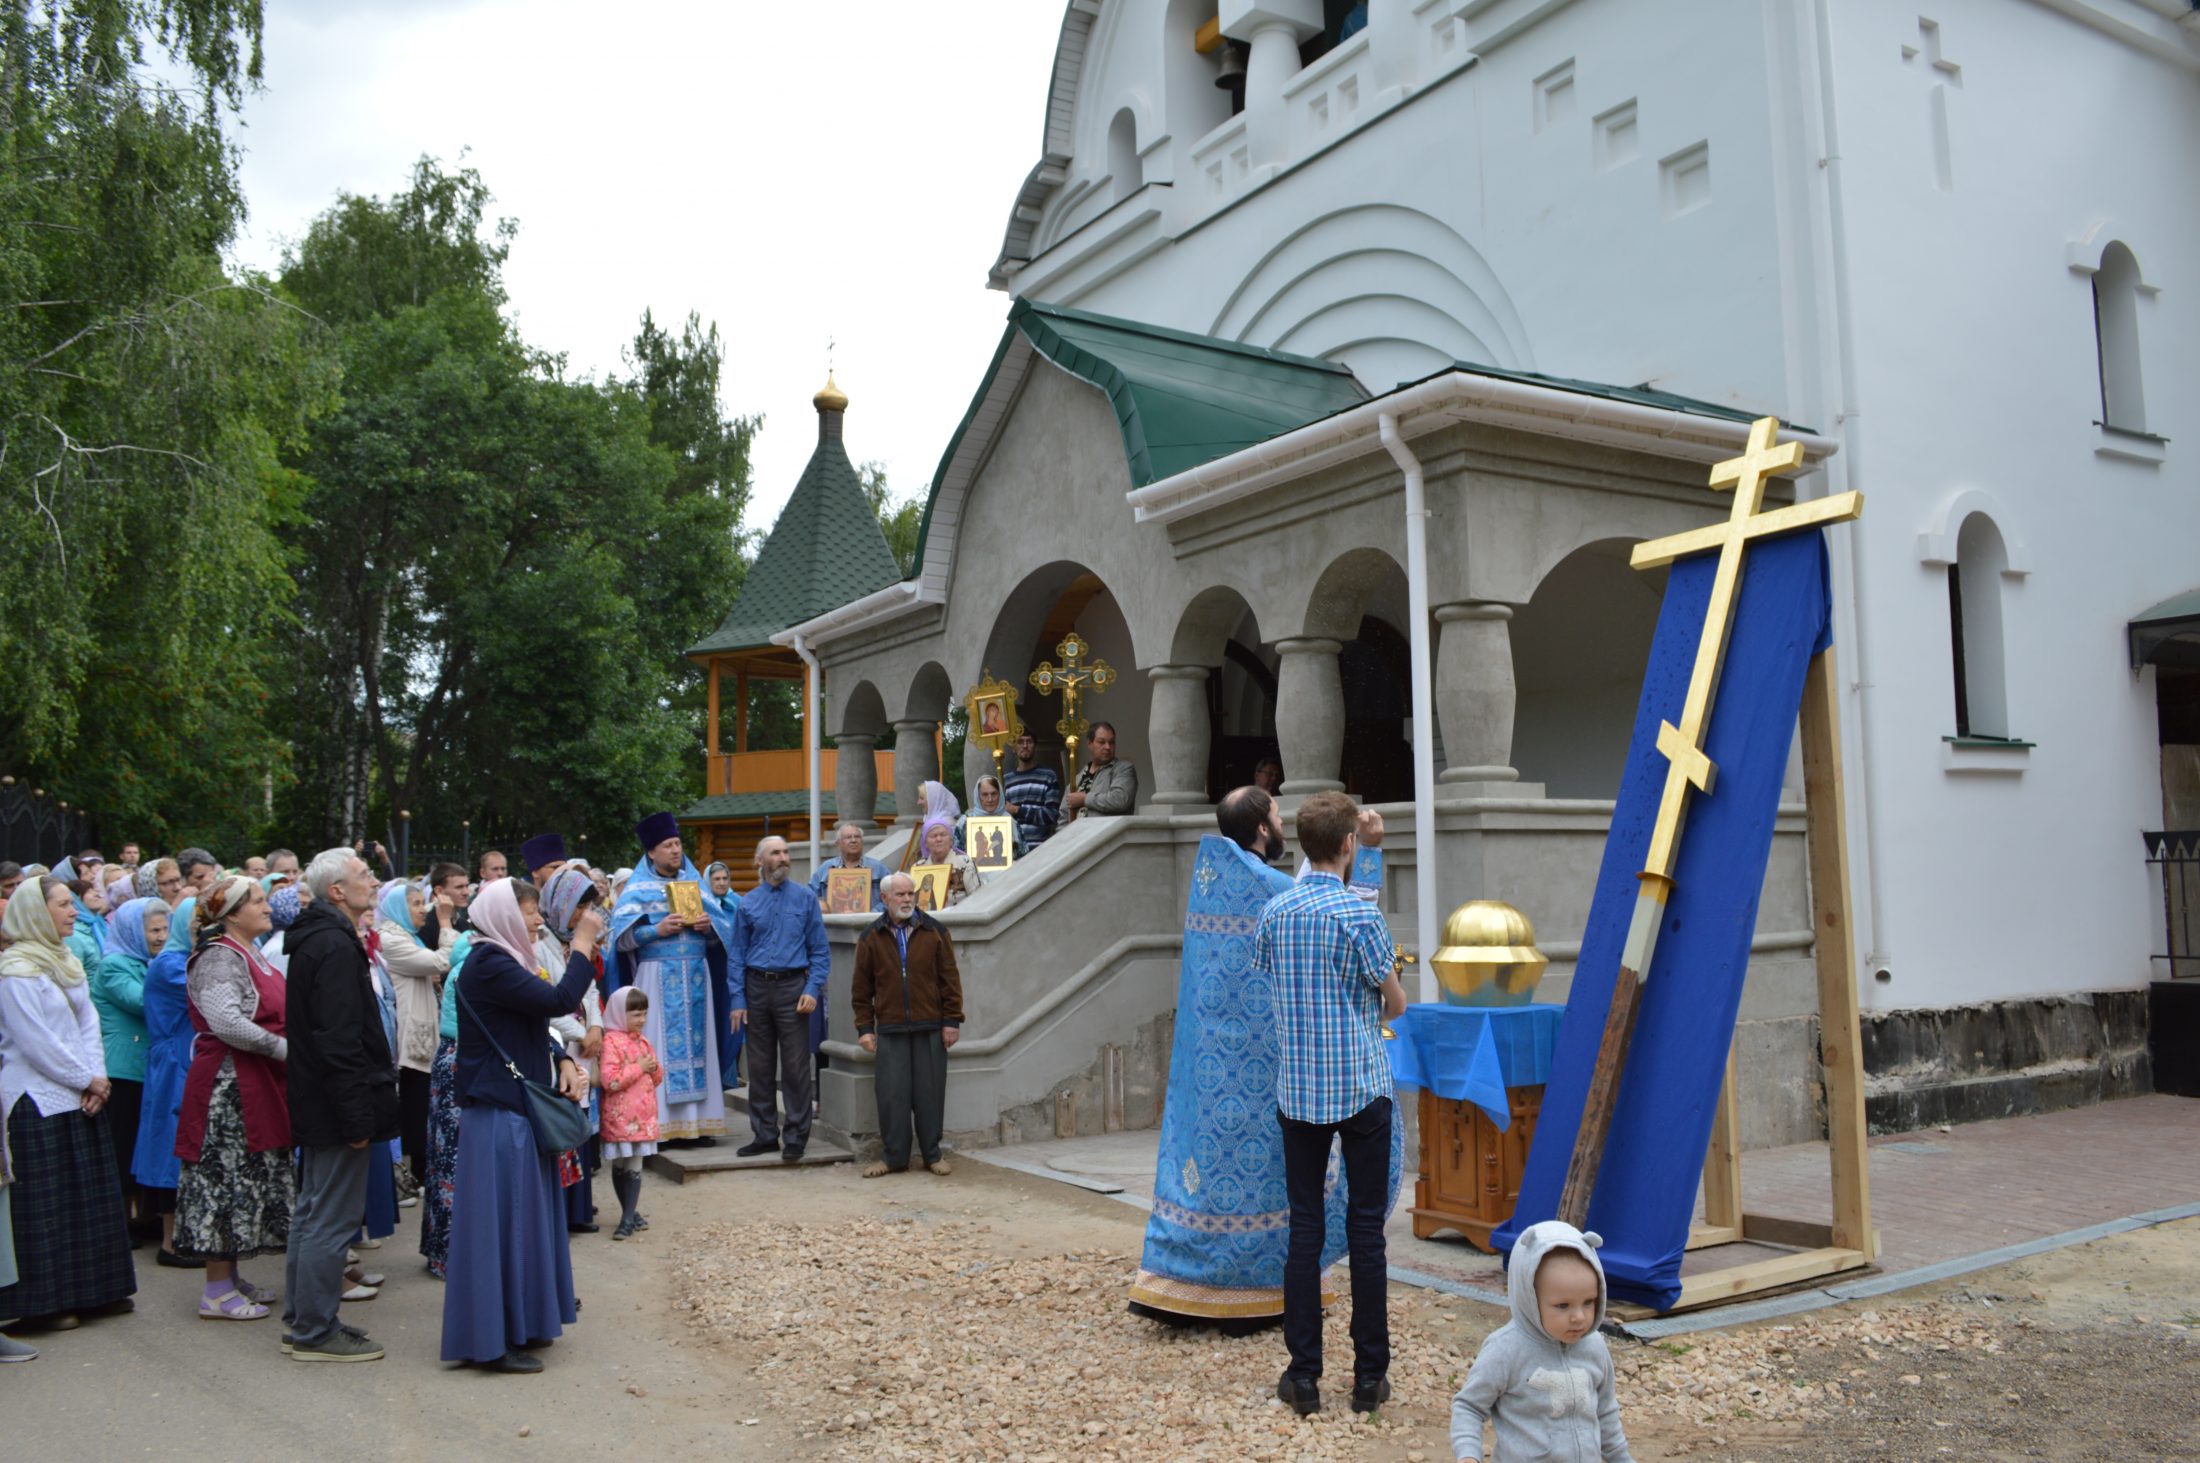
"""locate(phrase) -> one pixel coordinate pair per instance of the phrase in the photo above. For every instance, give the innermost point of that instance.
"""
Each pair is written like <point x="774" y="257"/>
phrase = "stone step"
<point x="682" y="1164"/>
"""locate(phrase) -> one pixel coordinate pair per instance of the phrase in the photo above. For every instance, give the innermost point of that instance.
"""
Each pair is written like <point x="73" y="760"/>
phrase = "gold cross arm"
<point x="1840" y="508"/>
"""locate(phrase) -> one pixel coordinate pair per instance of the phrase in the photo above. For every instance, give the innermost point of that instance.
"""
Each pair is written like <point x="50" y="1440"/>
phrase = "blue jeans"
<point x="1366" y="1141"/>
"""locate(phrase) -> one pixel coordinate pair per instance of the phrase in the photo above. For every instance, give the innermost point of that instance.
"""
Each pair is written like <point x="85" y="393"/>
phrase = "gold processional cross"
<point x="1688" y="768"/>
<point x="1071" y="677"/>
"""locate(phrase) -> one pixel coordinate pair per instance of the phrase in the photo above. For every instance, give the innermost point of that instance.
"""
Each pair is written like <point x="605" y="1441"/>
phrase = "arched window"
<point x="2116" y="288"/>
<point x="1975" y="633"/>
<point x="1123" y="165"/>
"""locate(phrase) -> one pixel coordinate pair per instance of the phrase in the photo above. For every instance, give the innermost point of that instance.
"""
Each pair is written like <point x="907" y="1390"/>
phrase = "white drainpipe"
<point x="1424" y="725"/>
<point x="815" y="680"/>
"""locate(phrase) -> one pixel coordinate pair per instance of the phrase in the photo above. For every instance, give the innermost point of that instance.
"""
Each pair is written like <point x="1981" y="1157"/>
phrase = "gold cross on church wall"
<point x="1682" y="745"/>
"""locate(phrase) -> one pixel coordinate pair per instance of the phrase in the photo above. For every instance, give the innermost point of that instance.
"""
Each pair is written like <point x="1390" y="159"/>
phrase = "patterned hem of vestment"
<point x="1215" y="1302"/>
<point x="669" y="1128"/>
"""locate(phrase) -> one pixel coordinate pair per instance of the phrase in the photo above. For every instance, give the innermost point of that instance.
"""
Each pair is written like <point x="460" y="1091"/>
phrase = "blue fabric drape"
<point x="1646" y="1188"/>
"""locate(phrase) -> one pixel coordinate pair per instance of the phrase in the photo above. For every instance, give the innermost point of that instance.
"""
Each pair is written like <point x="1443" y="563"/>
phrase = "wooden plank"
<point x="1839" y="1037"/>
<point x="713" y="746"/>
<point x="1737" y="1280"/>
<point x="1710" y="1236"/>
<point x="1722" y="1165"/>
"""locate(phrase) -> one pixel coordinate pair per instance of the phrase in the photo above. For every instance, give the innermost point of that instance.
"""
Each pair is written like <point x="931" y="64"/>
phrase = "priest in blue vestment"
<point x="1221" y="1217"/>
<point x="681" y="965"/>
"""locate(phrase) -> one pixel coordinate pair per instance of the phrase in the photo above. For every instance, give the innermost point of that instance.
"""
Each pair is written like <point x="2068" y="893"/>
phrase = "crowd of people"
<point x="229" y="1062"/>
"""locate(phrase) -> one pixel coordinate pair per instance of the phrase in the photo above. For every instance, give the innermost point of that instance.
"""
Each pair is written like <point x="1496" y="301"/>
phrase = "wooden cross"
<point x="1688" y="768"/>
<point x="1071" y="676"/>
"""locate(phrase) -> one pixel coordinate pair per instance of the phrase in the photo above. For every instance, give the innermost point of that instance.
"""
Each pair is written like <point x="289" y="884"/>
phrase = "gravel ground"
<point x="983" y="1318"/>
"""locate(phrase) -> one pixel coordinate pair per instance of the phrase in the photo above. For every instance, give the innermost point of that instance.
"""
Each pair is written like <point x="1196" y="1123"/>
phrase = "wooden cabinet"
<point x="1470" y="1172"/>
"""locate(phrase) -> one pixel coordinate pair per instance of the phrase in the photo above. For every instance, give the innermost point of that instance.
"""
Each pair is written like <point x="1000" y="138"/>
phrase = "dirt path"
<point x="814" y="1315"/>
<point x="981" y="1317"/>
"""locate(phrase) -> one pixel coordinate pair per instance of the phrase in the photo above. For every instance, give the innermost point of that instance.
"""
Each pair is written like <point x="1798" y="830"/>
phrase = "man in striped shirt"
<point x="1329" y="955"/>
<point x="1034" y="793"/>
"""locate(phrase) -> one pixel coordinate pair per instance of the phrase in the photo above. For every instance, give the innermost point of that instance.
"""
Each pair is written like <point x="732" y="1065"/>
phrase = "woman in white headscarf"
<point x="71" y="1243"/>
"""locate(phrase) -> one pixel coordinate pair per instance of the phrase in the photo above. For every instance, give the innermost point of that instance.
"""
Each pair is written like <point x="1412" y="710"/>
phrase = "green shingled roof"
<point x="1180" y="399"/>
<point x="790" y="804"/>
<point x="825" y="550"/>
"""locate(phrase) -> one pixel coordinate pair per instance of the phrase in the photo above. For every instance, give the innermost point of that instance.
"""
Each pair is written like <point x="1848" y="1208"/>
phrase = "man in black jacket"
<point x="343" y="1096"/>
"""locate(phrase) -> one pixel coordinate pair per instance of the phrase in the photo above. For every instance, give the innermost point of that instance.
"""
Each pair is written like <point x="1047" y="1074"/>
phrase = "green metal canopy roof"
<point x="825" y="550"/>
<point x="1180" y="399"/>
<point x="2168" y="634"/>
<point x="1639" y="395"/>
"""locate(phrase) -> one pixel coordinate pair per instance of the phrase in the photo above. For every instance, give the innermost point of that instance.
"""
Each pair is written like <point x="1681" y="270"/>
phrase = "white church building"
<point x="1354" y="342"/>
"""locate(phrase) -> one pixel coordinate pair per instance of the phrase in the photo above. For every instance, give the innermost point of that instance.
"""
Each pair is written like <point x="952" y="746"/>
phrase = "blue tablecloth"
<point x="1474" y="1052"/>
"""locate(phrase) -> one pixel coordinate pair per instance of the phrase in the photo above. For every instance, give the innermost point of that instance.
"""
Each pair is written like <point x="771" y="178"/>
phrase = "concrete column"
<point x="1310" y="714"/>
<point x="1272" y="62"/>
<point x="916" y="761"/>
<point x="1475" y="695"/>
<point x="1178" y="734"/>
<point x="855" y="784"/>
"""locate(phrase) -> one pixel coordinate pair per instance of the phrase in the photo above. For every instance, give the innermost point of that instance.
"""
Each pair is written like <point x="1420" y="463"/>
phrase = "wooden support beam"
<point x="1840" y="1041"/>
<point x="712" y="745"/>
<point x="1722" y="1165"/>
<point x="1709" y="1236"/>
<point x="741" y="710"/>
<point x="1739" y="1280"/>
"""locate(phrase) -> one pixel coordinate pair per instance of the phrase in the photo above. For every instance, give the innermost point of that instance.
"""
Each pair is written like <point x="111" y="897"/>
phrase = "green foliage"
<point x="899" y="519"/>
<point x="145" y="400"/>
<point x="500" y="566"/>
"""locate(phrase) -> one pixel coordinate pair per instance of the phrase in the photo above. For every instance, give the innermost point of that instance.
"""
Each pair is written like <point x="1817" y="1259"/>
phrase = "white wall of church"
<point x="1991" y="150"/>
<point x="1878" y="220"/>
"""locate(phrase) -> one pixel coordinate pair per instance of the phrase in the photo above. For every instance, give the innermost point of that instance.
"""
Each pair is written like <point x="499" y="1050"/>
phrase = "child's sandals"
<point x="234" y="1305"/>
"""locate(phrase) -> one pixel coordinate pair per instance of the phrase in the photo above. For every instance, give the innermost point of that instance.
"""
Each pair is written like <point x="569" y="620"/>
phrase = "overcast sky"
<point x="795" y="172"/>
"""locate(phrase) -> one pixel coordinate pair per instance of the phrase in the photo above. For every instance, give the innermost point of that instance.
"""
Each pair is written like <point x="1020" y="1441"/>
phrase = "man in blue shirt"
<point x="1330" y="957"/>
<point x="780" y="951"/>
<point x="848" y="838"/>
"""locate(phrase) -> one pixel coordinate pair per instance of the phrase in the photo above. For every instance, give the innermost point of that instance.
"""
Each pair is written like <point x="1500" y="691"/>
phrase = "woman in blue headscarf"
<point x="118" y="995"/>
<point x="168" y="1036"/>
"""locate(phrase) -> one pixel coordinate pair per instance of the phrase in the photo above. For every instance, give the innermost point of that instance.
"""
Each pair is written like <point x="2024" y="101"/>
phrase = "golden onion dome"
<point x="830" y="397"/>
<point x="1489" y="957"/>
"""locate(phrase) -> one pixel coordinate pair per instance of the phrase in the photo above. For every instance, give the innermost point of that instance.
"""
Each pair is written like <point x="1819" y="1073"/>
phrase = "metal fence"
<point x="37" y="827"/>
<point x="2176" y="852"/>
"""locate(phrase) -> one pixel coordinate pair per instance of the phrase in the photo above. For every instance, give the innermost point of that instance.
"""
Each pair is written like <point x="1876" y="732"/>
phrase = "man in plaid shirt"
<point x="1329" y="955"/>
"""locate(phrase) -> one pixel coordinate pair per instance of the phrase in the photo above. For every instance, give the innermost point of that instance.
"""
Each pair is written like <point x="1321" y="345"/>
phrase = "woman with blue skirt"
<point x="509" y="1277"/>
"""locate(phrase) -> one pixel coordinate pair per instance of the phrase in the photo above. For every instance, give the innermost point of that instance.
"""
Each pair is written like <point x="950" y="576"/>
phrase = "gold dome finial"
<point x="830" y="397"/>
<point x="1488" y="957"/>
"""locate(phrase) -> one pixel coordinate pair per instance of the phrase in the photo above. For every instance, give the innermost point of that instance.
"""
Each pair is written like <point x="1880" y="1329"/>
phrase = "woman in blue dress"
<point x="509" y="1278"/>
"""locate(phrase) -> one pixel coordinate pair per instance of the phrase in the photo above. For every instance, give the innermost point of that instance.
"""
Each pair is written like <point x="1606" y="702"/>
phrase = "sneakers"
<point x="1369" y="1393"/>
<point x="341" y="1345"/>
<point x="625" y="1230"/>
<point x="289" y="1343"/>
<point x="1301" y="1396"/>
<point x="16" y="1351"/>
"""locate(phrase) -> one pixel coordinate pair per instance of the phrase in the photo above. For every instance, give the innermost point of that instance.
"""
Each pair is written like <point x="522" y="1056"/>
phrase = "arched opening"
<point x="1580" y="646"/>
<point x="1219" y="631"/>
<point x="1360" y="601"/>
<point x="1123" y="164"/>
<point x="863" y="714"/>
<point x="1034" y="619"/>
<point x="2116" y="286"/>
<point x="1197" y="101"/>
<point x="1975" y="632"/>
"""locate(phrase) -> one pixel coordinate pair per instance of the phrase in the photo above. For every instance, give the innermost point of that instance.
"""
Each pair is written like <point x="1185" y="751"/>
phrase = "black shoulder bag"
<point x="559" y="1122"/>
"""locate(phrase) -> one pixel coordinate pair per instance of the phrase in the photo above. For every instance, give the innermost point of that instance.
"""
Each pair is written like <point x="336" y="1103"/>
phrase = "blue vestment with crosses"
<point x="1221" y="1217"/>
<point x="685" y="976"/>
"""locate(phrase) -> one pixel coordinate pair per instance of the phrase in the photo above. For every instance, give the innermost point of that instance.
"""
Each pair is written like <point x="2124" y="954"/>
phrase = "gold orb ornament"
<point x="1488" y="956"/>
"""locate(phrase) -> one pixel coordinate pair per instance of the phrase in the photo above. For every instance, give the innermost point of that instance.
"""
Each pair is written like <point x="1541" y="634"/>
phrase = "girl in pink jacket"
<point x="630" y="1075"/>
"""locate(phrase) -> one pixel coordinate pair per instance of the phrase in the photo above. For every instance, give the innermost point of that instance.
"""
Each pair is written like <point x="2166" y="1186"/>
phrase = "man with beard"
<point x="680" y="964"/>
<point x="1221" y="1221"/>
<point x="781" y="957"/>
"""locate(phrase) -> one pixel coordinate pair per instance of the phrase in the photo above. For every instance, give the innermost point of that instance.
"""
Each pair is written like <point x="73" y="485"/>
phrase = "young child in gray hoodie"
<point x="1545" y="1376"/>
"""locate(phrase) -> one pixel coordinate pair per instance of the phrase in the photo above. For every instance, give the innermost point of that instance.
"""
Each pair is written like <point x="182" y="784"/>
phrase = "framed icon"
<point x="991" y="840"/>
<point x="994" y="723"/>
<point x="848" y="891"/>
<point x="931" y="886"/>
<point x="686" y="898"/>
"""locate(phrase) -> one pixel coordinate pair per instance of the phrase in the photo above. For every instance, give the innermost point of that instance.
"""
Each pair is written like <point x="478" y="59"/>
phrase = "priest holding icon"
<point x="672" y="944"/>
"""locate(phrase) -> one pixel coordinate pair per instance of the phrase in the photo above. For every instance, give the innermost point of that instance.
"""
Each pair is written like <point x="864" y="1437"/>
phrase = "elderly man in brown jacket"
<point x="909" y="1010"/>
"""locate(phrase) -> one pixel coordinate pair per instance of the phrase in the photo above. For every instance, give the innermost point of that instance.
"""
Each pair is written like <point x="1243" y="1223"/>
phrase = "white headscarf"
<point x="34" y="943"/>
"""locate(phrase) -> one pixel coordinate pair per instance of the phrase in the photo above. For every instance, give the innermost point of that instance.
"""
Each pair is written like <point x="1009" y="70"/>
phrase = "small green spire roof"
<point x="825" y="550"/>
